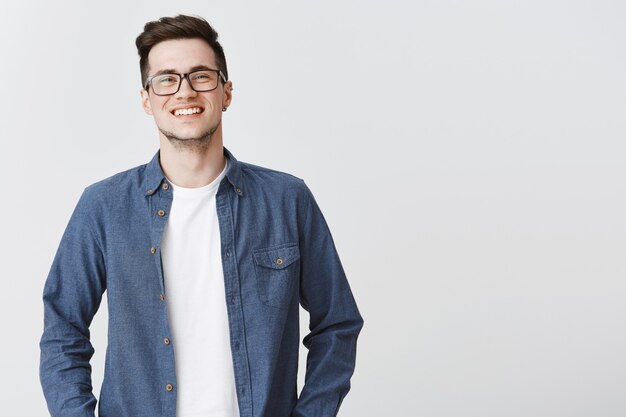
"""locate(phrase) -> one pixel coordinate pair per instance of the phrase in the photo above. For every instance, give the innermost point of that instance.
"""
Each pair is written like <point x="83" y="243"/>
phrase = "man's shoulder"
<point x="273" y="182"/>
<point x="117" y="186"/>
<point x="267" y="176"/>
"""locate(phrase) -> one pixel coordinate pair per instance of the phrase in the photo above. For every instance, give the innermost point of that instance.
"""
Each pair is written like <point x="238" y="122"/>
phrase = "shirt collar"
<point x="154" y="176"/>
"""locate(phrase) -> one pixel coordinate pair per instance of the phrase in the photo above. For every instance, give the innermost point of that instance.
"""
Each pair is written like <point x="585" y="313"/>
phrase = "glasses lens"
<point x="165" y="83"/>
<point x="203" y="80"/>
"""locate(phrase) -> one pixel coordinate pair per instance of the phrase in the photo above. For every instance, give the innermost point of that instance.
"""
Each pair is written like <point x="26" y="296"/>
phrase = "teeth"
<point x="184" y="112"/>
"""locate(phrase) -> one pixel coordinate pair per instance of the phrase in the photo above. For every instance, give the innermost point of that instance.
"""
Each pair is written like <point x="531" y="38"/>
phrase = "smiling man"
<point x="205" y="260"/>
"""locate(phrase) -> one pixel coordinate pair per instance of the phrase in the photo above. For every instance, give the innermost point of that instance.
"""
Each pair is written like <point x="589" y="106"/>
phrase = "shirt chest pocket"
<point x="277" y="269"/>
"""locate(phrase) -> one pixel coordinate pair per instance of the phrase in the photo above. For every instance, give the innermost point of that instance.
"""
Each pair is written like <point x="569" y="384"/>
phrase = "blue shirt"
<point x="277" y="254"/>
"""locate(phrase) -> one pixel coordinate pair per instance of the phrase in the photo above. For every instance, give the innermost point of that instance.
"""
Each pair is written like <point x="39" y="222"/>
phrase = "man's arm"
<point x="334" y="323"/>
<point x="71" y="297"/>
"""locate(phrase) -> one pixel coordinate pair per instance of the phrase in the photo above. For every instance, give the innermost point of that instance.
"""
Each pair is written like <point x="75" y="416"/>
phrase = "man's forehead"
<point x="181" y="55"/>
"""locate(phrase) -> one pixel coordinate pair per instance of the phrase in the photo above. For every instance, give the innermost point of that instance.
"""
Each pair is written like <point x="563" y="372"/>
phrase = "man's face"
<point x="182" y="56"/>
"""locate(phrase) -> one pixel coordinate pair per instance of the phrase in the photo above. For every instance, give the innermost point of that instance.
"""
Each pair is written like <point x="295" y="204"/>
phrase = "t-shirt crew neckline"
<point x="196" y="192"/>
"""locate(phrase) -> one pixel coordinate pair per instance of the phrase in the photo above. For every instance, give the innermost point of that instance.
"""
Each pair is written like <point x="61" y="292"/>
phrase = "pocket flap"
<point x="277" y="257"/>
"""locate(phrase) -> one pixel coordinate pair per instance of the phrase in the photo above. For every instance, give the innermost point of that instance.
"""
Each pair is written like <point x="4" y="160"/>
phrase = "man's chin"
<point x="183" y="138"/>
<point x="189" y="141"/>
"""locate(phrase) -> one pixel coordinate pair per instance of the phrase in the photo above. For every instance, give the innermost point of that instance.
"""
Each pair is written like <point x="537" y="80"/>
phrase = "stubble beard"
<point x="198" y="144"/>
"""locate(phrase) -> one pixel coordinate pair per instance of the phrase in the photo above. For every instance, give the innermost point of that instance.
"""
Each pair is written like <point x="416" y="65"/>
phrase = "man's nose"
<point x="185" y="89"/>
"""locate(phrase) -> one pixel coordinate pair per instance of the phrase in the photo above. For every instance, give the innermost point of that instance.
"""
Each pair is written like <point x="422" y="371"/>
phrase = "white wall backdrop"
<point x="468" y="156"/>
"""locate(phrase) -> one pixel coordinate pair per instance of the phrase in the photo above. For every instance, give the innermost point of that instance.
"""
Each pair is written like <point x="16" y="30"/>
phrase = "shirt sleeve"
<point x="71" y="296"/>
<point x="335" y="321"/>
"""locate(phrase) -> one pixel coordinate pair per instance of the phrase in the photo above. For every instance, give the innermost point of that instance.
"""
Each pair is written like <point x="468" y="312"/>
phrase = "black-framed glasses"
<point x="199" y="81"/>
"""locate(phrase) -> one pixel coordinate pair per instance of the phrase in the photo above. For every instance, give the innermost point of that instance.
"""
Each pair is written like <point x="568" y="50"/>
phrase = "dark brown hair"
<point x="179" y="27"/>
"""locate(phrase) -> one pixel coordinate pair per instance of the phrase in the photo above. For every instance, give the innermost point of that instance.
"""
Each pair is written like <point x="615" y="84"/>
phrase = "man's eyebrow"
<point x="164" y="71"/>
<point x="192" y="69"/>
<point x="200" y="68"/>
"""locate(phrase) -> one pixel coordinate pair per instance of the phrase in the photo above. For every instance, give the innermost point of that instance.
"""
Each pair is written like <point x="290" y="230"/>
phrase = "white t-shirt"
<point x="196" y="304"/>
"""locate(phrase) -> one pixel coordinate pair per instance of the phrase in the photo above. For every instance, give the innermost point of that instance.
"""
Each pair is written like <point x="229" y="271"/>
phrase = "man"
<point x="205" y="260"/>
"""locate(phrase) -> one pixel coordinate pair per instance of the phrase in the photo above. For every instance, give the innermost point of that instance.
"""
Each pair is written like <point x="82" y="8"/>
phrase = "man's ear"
<point x="228" y="94"/>
<point x="145" y="101"/>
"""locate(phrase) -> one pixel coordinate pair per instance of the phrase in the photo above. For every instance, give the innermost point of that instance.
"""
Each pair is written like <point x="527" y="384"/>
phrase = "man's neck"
<point x="192" y="168"/>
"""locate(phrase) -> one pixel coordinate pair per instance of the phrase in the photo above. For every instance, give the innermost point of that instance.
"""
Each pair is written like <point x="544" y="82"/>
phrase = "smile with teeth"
<point x="186" y="112"/>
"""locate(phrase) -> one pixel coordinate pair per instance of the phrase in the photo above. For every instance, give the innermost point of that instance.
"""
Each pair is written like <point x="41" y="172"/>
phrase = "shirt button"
<point x="169" y="387"/>
<point x="238" y="190"/>
<point x="166" y="341"/>
<point x="162" y="297"/>
<point x="161" y="213"/>
<point x="227" y="253"/>
<point x="153" y="250"/>
<point x="166" y="186"/>
<point x="279" y="261"/>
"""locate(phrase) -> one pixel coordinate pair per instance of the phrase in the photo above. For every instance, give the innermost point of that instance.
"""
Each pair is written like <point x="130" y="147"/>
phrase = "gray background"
<point x="468" y="156"/>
